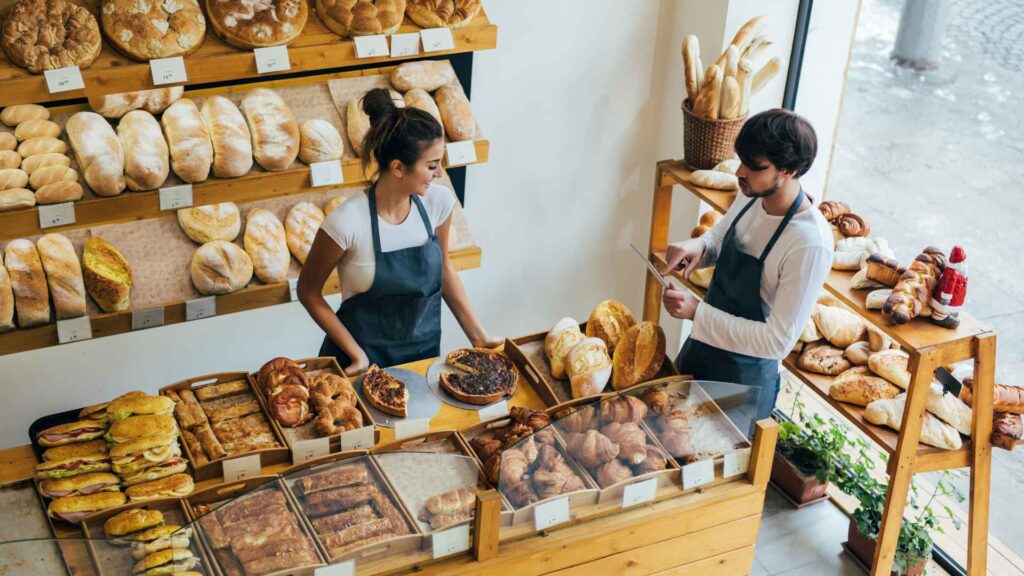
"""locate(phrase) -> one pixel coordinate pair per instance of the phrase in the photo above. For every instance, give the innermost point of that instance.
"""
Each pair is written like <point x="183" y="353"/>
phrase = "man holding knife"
<point x="772" y="254"/>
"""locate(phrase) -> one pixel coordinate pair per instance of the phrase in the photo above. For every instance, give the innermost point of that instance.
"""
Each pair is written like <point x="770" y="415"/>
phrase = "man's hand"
<point x="687" y="253"/>
<point x="679" y="303"/>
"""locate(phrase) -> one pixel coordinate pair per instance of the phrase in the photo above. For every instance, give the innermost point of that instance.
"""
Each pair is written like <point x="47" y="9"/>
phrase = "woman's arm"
<point x="323" y="258"/>
<point x="455" y="296"/>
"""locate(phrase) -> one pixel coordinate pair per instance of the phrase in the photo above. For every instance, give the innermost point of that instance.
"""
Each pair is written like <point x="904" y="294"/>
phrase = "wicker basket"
<point x="708" y="142"/>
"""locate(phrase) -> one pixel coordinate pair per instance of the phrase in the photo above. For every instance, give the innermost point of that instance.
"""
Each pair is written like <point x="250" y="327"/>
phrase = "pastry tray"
<point x="214" y="469"/>
<point x="25" y="519"/>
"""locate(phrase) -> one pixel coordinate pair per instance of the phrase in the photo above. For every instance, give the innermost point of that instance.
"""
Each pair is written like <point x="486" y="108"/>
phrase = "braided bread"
<point x="914" y="289"/>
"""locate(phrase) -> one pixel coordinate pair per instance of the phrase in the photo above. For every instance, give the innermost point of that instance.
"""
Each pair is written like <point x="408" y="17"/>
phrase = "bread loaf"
<point x="934" y="432"/>
<point x="589" y="367"/>
<point x="52" y="175"/>
<point x="562" y="337"/>
<point x="1004" y="398"/>
<point x="419" y="99"/>
<point x="713" y="98"/>
<point x="229" y="137"/>
<point x="188" y="141"/>
<point x="108" y="277"/>
<point x="13" y="178"/>
<point x="98" y="151"/>
<point x="609" y="322"/>
<point x="300" y="227"/>
<point x="639" y="355"/>
<point x="824" y="360"/>
<point x="878" y="340"/>
<point x="357" y="124"/>
<point x="145" y="151"/>
<point x="145" y="31"/>
<point x="8" y="141"/>
<point x="1007" y="430"/>
<point x="858" y="353"/>
<point x="443" y="13"/>
<point x="33" y="163"/>
<point x="838" y="325"/>
<point x="153" y="101"/>
<point x="14" y="115"/>
<point x="860" y="281"/>
<point x="6" y="300"/>
<point x="891" y="365"/>
<point x="427" y="75"/>
<point x="456" y="113"/>
<point x="859" y="386"/>
<point x="28" y="282"/>
<point x="361" y="17"/>
<point x="63" y="275"/>
<point x="37" y="128"/>
<point x="729" y="166"/>
<point x="745" y="79"/>
<point x="949" y="409"/>
<point x="220" y="267"/>
<point x="876" y="299"/>
<point x="15" y="198"/>
<point x="714" y="180"/>
<point x="319" y="141"/>
<point x="205" y="224"/>
<point x="42" y="145"/>
<point x="274" y="131"/>
<point x="249" y="25"/>
<point x="59" y="192"/>
<point x="267" y="246"/>
<point x="729" y="107"/>
<point x="9" y="159"/>
<point x="810" y="332"/>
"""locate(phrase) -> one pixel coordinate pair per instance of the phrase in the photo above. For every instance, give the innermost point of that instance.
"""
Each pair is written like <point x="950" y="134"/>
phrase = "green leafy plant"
<point x="814" y="445"/>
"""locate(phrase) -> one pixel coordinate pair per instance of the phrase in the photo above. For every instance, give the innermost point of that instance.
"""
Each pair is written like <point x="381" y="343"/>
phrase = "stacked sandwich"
<point x="158" y="548"/>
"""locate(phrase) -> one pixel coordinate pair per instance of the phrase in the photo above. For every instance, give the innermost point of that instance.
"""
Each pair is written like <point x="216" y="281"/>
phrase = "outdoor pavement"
<point x="937" y="158"/>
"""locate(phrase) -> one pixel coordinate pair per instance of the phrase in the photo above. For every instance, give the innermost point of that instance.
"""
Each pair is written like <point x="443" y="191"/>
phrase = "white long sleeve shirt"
<point x="794" y="272"/>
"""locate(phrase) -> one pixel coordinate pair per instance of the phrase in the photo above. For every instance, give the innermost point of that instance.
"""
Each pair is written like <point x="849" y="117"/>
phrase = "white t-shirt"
<point x="794" y="272"/>
<point x="349" y="227"/>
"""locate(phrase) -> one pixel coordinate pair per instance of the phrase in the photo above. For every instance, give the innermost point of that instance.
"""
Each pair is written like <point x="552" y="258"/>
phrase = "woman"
<point x="390" y="248"/>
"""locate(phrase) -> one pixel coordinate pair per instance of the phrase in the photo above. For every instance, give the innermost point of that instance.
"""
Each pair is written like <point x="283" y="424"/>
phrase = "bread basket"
<point x="708" y="142"/>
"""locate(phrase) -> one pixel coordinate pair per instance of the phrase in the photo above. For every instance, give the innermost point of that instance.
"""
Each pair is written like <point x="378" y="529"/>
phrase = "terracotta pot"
<point x="802" y="489"/>
<point x="863" y="548"/>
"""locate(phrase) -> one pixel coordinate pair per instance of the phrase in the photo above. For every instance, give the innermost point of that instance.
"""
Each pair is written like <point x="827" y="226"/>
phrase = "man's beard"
<point x="765" y="193"/>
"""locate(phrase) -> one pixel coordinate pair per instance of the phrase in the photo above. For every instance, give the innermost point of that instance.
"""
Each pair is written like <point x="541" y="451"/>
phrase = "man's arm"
<point x="714" y="237"/>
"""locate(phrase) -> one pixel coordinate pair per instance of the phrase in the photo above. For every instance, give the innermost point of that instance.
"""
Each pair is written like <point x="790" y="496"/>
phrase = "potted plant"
<point x="804" y="457"/>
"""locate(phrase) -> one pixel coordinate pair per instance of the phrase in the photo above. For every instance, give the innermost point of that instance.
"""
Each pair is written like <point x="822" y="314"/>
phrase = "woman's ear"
<point x="397" y="169"/>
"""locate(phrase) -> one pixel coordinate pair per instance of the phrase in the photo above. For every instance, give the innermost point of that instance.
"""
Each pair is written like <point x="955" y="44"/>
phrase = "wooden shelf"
<point x="660" y="262"/>
<point x="215" y="61"/>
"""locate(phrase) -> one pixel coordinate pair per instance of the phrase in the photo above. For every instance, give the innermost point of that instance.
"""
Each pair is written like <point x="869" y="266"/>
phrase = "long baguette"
<point x="766" y="73"/>
<point x="745" y="78"/>
<point x="745" y="35"/>
<point x="714" y="95"/>
<point x="700" y="106"/>
<point x="730" y="105"/>
<point x="691" y="53"/>
<point x="756" y="48"/>
<point x="732" y="59"/>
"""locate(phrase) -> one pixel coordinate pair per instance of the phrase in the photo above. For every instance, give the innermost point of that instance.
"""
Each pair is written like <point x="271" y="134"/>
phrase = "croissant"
<point x="521" y="493"/>
<point x="678" y="444"/>
<point x="579" y="421"/>
<point x="851" y="225"/>
<point x="441" y="521"/>
<point x="623" y="409"/>
<point x="914" y="289"/>
<point x="832" y="209"/>
<point x="592" y="448"/>
<point x="492" y="468"/>
<point x="511" y="435"/>
<point x="535" y="419"/>
<point x="657" y="400"/>
<point x="461" y="499"/>
<point x="529" y="449"/>
<point x="545" y="436"/>
<point x="513" y="467"/>
<point x="485" y="447"/>
<point x="549" y="456"/>
<point x="631" y="440"/>
<point x="674" y="421"/>
<point x="554" y="476"/>
<point x="654" y="461"/>
<point x="612" y="473"/>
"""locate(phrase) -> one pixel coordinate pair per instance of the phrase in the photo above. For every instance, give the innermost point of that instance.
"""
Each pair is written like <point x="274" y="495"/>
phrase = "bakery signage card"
<point x="437" y="39"/>
<point x="413" y="427"/>
<point x="168" y="70"/>
<point x="307" y="450"/>
<point x="64" y="79"/>
<point x="272" y="59"/>
<point x="327" y="173"/>
<point x="241" y="468"/>
<point x="736" y="463"/>
<point x="56" y="215"/>
<point x="358" y="439"/>
<point x="451" y="541"/>
<point x="74" y="329"/>
<point x="461" y="153"/>
<point x="175" y="197"/>
<point x="143" y="319"/>
<point x="346" y="568"/>
<point x="200" y="308"/>
<point x="639" y="492"/>
<point x="293" y="289"/>
<point x="496" y="410"/>
<point x="375" y="46"/>
<point x="405" y="45"/>
<point x="551" y="513"/>
<point x="699" y="473"/>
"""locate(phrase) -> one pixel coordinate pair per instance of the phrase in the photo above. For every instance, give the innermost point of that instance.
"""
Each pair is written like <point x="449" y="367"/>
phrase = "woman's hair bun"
<point x="377" y="104"/>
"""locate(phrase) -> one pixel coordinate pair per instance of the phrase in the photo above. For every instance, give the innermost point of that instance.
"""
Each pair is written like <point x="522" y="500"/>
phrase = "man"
<point x="772" y="254"/>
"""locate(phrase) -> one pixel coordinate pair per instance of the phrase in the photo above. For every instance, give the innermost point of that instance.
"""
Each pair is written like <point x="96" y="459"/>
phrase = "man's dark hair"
<point x="781" y="137"/>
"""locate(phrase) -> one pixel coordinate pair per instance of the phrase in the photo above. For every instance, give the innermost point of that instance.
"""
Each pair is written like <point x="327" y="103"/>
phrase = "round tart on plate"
<point x="482" y="376"/>
<point x="385" y="392"/>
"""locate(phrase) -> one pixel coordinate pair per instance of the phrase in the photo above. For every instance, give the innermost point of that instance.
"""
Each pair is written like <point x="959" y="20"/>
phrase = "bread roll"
<point x="357" y="124"/>
<point x="589" y="367"/>
<point x="51" y="175"/>
<point x="824" y="360"/>
<point x="728" y="166"/>
<point x="33" y="163"/>
<point x="810" y="332"/>
<point x="153" y="101"/>
<point x="42" y="145"/>
<point x="108" y="277"/>
<point x="13" y="178"/>
<point x="562" y="337"/>
<point x="59" y="192"/>
<point x="333" y="203"/>
<point x="456" y="113"/>
<point x="16" y="198"/>
<point x="63" y="275"/>
<point x="9" y="159"/>
<point x="609" y="321"/>
<point x="6" y="300"/>
<point x="220" y="267"/>
<point x="188" y="141"/>
<point x="274" y="131"/>
<point x="858" y="353"/>
<point x="229" y="136"/>
<point x="428" y="75"/>
<point x="14" y="115"/>
<point x="319" y="141"/>
<point x="98" y="151"/>
<point x="714" y="180"/>
<point x="8" y="141"/>
<point x="266" y="244"/>
<point x="421" y="100"/>
<point x="859" y="386"/>
<point x="891" y="365"/>
<point x="28" y="282"/>
<point x="934" y="432"/>
<point x="145" y="151"/>
<point x="838" y="325"/>
<point x="37" y="128"/>
<point x="205" y="224"/>
<point x="638" y="356"/>
<point x="300" y="228"/>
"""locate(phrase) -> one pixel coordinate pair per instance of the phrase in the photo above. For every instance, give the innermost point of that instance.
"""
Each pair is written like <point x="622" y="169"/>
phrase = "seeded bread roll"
<point x="99" y="153"/>
<point x="28" y="282"/>
<point x="63" y="275"/>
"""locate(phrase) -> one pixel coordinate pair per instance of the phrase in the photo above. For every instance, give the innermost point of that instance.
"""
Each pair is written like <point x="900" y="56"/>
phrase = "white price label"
<point x="461" y="153"/>
<point x="405" y="45"/>
<point x="639" y="492"/>
<point x="437" y="39"/>
<point x="168" y="70"/>
<point x="551" y="514"/>
<point x="451" y="541"/>
<point x="496" y="410"/>
<point x="736" y="463"/>
<point x="241" y="468"/>
<point x="174" y="197"/>
<point x="698" y="474"/>
<point x="293" y="289"/>
<point x="327" y="173"/>
<point x="74" y="329"/>
<point x="346" y="568"/>
<point x="414" y="427"/>
<point x="272" y="59"/>
<point x="358" y="439"/>
<point x="142" y="319"/>
<point x="64" y="79"/>
<point x="307" y="450"/>
<point x="200" y="308"/>
<point x="57" y="215"/>
<point x="375" y="46"/>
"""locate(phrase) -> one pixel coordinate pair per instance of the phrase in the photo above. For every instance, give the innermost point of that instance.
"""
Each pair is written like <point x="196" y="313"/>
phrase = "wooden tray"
<point x="215" y="468"/>
<point x="24" y="512"/>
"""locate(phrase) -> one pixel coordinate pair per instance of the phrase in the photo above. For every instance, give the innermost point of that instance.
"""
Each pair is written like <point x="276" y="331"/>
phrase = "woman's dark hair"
<point x="396" y="133"/>
<point x="781" y="137"/>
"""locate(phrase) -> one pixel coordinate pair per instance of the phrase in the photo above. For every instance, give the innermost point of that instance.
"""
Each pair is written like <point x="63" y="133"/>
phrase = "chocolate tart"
<point x="483" y="377"/>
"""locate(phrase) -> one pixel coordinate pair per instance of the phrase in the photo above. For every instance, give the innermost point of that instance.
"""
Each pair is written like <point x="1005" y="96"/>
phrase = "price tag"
<point x="496" y="410"/>
<point x="698" y="474"/>
<point x="74" y="329"/>
<point x="174" y="197"/>
<point x="414" y="427"/>
<point x="57" y="215"/>
<point x="306" y="450"/>
<point x="461" y="153"/>
<point x="142" y="319"/>
<point x="736" y="463"/>
<point x="551" y="514"/>
<point x="327" y="173"/>
<point x="272" y="59"/>
<point x="358" y="439"/>
<point x="64" y="79"/>
<point x="200" y="308"/>
<point x="241" y="468"/>
<point x="437" y="39"/>
<point x="346" y="568"/>
<point x="375" y="46"/>
<point x="405" y="44"/>
<point x="168" y="70"/>
<point x="293" y="289"/>
<point x="639" y="492"/>
<point x="451" y="541"/>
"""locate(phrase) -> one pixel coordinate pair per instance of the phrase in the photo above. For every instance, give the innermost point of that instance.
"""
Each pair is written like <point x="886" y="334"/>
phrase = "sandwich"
<point x="138" y="426"/>
<point x="135" y="455"/>
<point x="129" y="525"/>
<point x="68" y="451"/>
<point x="80" y="485"/>
<point x="161" y="538"/>
<point x="170" y="561"/>
<point x="173" y="486"/>
<point x="78" y="431"/>
<point x="74" y="509"/>
<point x="67" y="463"/>
<point x="99" y="411"/>
<point x="174" y="465"/>
<point x="139" y="405"/>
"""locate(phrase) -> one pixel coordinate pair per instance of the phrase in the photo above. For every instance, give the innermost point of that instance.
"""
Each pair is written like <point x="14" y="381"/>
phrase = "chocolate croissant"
<point x="852" y="225"/>
<point x="832" y="209"/>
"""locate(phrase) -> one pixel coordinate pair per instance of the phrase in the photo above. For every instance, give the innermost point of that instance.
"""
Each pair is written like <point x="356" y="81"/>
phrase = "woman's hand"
<point x="486" y="341"/>
<point x="679" y="303"/>
<point x="688" y="253"/>
<point x="359" y="365"/>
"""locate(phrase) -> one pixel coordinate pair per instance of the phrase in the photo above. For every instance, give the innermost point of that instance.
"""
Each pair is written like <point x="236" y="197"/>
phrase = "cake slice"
<point x="385" y="392"/>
